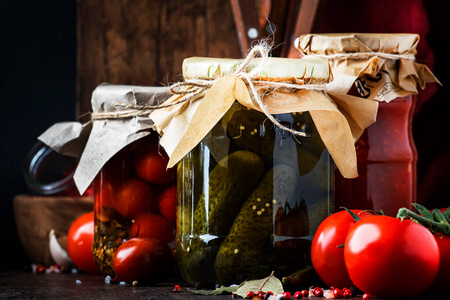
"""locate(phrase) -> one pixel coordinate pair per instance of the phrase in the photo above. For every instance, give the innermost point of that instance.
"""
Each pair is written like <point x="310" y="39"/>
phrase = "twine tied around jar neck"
<point x="192" y="89"/>
<point x="132" y="110"/>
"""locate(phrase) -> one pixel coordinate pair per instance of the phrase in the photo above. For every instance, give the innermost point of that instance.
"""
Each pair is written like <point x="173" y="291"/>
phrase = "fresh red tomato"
<point x="442" y="282"/>
<point x="134" y="197"/>
<point x="389" y="257"/>
<point x="141" y="259"/>
<point x="327" y="253"/>
<point x="153" y="226"/>
<point x="79" y="243"/>
<point x="150" y="164"/>
<point x="167" y="203"/>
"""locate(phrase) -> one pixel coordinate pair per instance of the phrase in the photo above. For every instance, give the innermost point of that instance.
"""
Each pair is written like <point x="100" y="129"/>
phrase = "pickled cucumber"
<point x="251" y="130"/>
<point x="230" y="183"/>
<point x="302" y="278"/>
<point x="244" y="245"/>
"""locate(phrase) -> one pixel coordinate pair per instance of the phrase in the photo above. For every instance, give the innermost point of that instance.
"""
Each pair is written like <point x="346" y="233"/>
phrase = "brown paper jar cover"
<point x="390" y="58"/>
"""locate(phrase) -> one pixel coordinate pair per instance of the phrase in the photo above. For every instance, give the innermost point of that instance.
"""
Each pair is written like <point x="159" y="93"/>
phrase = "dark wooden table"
<point x="27" y="285"/>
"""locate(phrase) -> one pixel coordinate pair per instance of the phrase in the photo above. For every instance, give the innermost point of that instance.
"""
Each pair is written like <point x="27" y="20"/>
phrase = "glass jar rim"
<point x="39" y="155"/>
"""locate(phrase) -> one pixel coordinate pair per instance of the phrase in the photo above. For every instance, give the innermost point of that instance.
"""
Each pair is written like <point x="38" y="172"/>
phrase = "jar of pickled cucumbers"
<point x="254" y="182"/>
<point x="255" y="207"/>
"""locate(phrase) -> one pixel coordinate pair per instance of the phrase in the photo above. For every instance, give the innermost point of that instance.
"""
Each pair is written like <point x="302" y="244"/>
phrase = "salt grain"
<point x="108" y="279"/>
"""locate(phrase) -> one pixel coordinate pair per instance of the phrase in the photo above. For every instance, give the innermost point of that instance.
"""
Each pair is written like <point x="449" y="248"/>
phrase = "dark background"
<point x="38" y="72"/>
<point x="38" y="85"/>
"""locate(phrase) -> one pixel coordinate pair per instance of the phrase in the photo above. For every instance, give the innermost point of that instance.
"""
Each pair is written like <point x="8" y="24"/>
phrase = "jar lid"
<point x="47" y="172"/>
<point x="306" y="70"/>
<point x="333" y="43"/>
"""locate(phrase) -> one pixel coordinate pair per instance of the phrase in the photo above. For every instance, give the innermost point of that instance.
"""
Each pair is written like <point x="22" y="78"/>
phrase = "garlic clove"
<point x="59" y="255"/>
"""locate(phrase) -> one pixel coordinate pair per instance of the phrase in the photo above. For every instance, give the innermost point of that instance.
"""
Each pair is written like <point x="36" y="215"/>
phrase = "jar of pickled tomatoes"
<point x="134" y="196"/>
<point x="377" y="67"/>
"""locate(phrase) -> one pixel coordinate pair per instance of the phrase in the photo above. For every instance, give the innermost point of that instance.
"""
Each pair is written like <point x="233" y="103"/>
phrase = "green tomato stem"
<point x="423" y="211"/>
<point x="446" y="213"/>
<point x="441" y="227"/>
<point x="354" y="216"/>
<point x="437" y="214"/>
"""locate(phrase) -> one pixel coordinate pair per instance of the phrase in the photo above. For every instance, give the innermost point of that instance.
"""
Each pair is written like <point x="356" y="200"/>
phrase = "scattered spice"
<point x="176" y="288"/>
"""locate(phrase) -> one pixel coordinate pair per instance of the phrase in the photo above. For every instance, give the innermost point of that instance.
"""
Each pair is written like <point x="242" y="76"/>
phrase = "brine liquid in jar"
<point x="134" y="196"/>
<point x="251" y="196"/>
<point x="387" y="159"/>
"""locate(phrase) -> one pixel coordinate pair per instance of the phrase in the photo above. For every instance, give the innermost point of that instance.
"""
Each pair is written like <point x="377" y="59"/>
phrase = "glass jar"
<point x="251" y="196"/>
<point x="134" y="196"/>
<point x="387" y="159"/>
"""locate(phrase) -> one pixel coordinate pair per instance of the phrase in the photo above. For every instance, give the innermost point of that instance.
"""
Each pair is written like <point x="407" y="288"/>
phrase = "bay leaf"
<point x="270" y="283"/>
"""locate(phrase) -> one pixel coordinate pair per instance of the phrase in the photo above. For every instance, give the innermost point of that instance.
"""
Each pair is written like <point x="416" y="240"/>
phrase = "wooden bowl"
<point x="35" y="216"/>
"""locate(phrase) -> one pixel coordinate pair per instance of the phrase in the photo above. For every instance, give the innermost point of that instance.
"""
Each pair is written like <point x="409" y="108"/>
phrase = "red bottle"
<point x="387" y="160"/>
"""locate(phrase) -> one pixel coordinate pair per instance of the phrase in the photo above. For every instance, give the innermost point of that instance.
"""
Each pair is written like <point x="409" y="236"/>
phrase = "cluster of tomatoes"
<point x="137" y="185"/>
<point x="381" y="255"/>
<point x="135" y="205"/>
